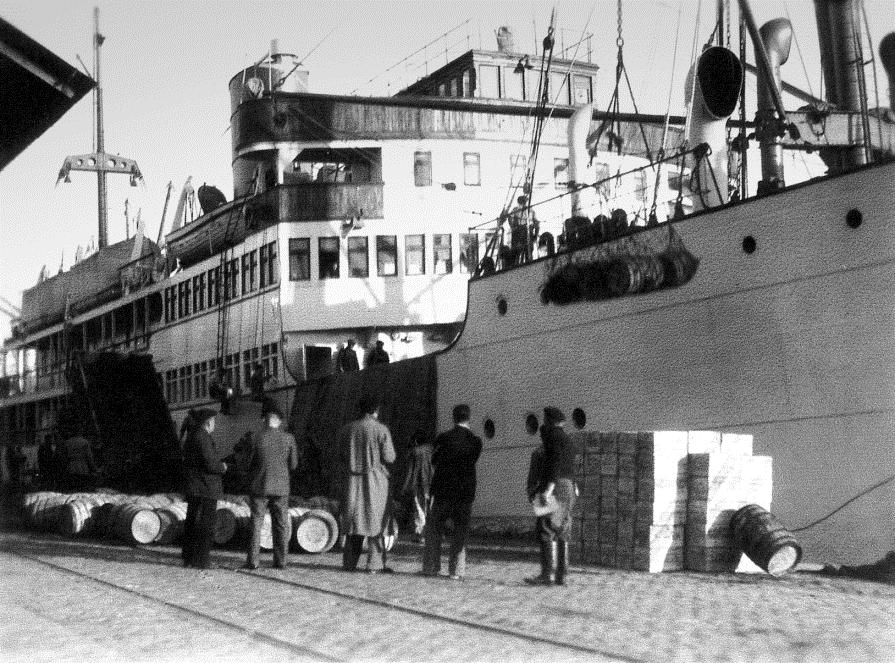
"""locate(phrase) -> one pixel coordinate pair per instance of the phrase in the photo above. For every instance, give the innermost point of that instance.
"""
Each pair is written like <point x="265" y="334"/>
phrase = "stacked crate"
<point x="662" y="500"/>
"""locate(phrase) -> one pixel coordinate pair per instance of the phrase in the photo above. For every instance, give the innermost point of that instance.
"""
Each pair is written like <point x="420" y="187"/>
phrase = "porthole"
<point x="579" y="418"/>
<point x="749" y="244"/>
<point x="501" y="305"/>
<point x="531" y="423"/>
<point x="854" y="218"/>
<point x="489" y="429"/>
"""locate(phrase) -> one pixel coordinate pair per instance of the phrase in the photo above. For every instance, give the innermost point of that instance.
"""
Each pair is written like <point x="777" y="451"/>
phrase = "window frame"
<point x="363" y="242"/>
<point x="469" y="163"/>
<point x="295" y="251"/>
<point x="382" y="250"/>
<point x="436" y="250"/>
<point x="422" y="168"/>
<point x="336" y="241"/>
<point x="417" y="251"/>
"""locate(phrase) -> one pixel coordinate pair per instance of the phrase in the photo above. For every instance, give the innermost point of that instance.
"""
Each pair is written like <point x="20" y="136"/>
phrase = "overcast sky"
<point x="166" y="66"/>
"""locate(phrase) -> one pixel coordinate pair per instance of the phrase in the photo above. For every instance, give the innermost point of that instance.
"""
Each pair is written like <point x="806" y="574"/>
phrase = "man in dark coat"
<point x="79" y="466"/>
<point x="270" y="459"/>
<point x="204" y="470"/>
<point x="453" y="492"/>
<point x="418" y="481"/>
<point x="378" y="355"/>
<point x="348" y="358"/>
<point x="366" y="450"/>
<point x="47" y="463"/>
<point x="551" y="476"/>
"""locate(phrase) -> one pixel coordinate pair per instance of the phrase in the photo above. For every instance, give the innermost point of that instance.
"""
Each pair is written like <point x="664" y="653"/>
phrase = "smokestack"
<point x="839" y="41"/>
<point x="887" y="57"/>
<point x="777" y="38"/>
<point x="579" y="128"/>
<point x="719" y="76"/>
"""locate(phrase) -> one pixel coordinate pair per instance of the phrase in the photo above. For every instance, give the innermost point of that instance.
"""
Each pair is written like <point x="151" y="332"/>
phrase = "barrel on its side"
<point x="134" y="523"/>
<point x="316" y="530"/>
<point x="171" y="520"/>
<point x="765" y="540"/>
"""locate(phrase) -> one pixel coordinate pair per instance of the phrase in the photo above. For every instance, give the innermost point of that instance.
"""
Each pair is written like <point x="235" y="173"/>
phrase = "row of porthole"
<point x="533" y="425"/>
<point x="853" y="219"/>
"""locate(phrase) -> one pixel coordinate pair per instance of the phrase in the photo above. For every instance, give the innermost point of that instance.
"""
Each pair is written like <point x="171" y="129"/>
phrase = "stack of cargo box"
<point x="662" y="501"/>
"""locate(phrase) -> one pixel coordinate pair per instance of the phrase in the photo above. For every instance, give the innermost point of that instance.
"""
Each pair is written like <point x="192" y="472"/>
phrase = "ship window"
<point x="469" y="253"/>
<point x="270" y="360"/>
<point x="472" y="173"/>
<point x="387" y="255"/>
<point x="442" y="251"/>
<point x="300" y="259"/>
<point x="441" y="90"/>
<point x="231" y="279"/>
<point x="415" y="254"/>
<point x="512" y="84"/>
<point x="186" y="383"/>
<point x="467" y="83"/>
<point x="579" y="418"/>
<point x="559" y="88"/>
<point x="489" y="82"/>
<point x="269" y="272"/>
<point x="422" y="168"/>
<point x="561" y="173"/>
<point x="337" y="166"/>
<point x="454" y="87"/>
<point x="214" y="286"/>
<point x="329" y="257"/>
<point x="249" y="267"/>
<point x="199" y="293"/>
<point x="170" y="304"/>
<point x="183" y="299"/>
<point x="582" y="89"/>
<point x="358" y="257"/>
<point x="249" y="360"/>
<point x="489" y="429"/>
<point x="200" y="380"/>
<point x="531" y="423"/>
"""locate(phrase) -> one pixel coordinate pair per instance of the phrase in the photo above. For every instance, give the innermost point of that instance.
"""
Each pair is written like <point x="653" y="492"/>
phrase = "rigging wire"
<point x="688" y="114"/>
<point x="845" y="504"/>
<point x="795" y="36"/>
<point x="879" y="125"/>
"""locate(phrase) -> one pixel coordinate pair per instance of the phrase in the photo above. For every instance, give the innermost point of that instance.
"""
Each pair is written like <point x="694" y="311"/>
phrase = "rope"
<point x="840" y="508"/>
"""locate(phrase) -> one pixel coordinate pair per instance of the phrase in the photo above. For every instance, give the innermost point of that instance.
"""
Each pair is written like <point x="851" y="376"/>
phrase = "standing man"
<point x="551" y="479"/>
<point x="270" y="459"/>
<point x="418" y="482"/>
<point x="204" y="470"/>
<point x="348" y="358"/>
<point x="378" y="355"/>
<point x="78" y="464"/>
<point x="366" y="449"/>
<point x="453" y="492"/>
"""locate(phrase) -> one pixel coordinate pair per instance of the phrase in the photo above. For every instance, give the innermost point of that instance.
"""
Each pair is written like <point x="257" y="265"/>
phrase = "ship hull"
<point x="791" y="343"/>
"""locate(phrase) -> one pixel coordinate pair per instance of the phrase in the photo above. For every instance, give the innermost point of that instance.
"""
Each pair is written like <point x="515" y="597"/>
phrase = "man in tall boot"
<point x="551" y="487"/>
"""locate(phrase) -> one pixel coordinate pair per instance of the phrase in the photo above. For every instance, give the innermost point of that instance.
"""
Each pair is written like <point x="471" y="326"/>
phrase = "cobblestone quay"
<point x="92" y="601"/>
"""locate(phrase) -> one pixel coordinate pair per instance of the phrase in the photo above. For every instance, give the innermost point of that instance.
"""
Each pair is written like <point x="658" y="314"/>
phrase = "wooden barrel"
<point x="765" y="540"/>
<point x="46" y="511"/>
<point x="678" y="266"/>
<point x="134" y="523"/>
<point x="76" y="517"/>
<point x="32" y="498"/>
<point x="225" y="524"/>
<point x="171" y="520"/>
<point x="316" y="531"/>
<point x="624" y="276"/>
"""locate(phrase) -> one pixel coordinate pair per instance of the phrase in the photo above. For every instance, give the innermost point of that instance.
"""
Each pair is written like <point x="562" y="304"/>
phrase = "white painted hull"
<point x="792" y="343"/>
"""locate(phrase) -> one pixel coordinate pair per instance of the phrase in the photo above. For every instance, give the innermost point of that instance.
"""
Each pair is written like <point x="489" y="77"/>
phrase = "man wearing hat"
<point x="523" y="226"/>
<point x="204" y="470"/>
<point x="367" y="450"/>
<point x="551" y="477"/>
<point x="269" y="460"/>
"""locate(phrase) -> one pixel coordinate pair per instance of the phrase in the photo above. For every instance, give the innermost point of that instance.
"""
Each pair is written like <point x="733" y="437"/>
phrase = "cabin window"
<point x="329" y="257"/>
<point x="561" y="173"/>
<point x="358" y="257"/>
<point x="270" y="268"/>
<point x="422" y="168"/>
<point x="199" y="293"/>
<point x="387" y="255"/>
<point x="249" y="267"/>
<point x="441" y="248"/>
<point x="171" y="386"/>
<point x="171" y="303"/>
<point x="186" y="383"/>
<point x="249" y="359"/>
<point x="489" y="81"/>
<point x="183" y="299"/>
<point x="582" y="89"/>
<point x="153" y="310"/>
<point x="200" y="379"/>
<point x="454" y="87"/>
<point x="414" y="255"/>
<point x="559" y="88"/>
<point x="331" y="165"/>
<point x="441" y="90"/>
<point x="467" y="83"/>
<point x="214" y="286"/>
<point x="300" y="259"/>
<point x="469" y="253"/>
<point x="472" y="173"/>
<point x="270" y="360"/>
<point x="231" y="279"/>
<point x="513" y="87"/>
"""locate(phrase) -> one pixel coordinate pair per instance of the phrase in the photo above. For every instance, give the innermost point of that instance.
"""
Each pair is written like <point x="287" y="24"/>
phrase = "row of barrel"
<point x="159" y="518"/>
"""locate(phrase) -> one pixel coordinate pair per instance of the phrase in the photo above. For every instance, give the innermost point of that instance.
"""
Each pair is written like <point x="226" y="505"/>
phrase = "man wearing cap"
<point x="366" y="449"/>
<point x="551" y="476"/>
<point x="204" y="470"/>
<point x="269" y="461"/>
<point x="378" y="355"/>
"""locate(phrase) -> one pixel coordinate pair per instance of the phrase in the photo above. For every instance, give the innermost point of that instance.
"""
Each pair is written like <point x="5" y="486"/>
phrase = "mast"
<point x="99" y="162"/>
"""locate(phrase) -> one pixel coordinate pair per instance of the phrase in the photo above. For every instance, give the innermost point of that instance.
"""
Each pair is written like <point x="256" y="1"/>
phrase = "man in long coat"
<point x="204" y="471"/>
<point x="270" y="459"/>
<point x="366" y="449"/>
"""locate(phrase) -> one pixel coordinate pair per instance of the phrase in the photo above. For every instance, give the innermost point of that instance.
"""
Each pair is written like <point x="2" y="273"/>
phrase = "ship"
<point x="777" y="322"/>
